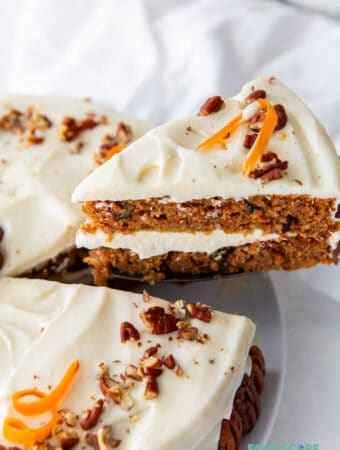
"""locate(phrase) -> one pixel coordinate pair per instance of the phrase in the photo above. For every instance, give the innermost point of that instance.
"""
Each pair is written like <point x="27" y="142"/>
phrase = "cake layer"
<point x="47" y="146"/>
<point x="294" y="252"/>
<point x="40" y="336"/>
<point x="272" y="214"/>
<point x="168" y="162"/>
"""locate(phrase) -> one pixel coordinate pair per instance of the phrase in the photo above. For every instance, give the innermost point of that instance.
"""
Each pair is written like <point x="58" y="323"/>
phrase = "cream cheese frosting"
<point x="164" y="162"/>
<point x="152" y="243"/>
<point x="46" y="325"/>
<point x="36" y="182"/>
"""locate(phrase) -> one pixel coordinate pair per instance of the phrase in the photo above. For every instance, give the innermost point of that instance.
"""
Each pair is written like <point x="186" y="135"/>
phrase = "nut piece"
<point x="269" y="168"/>
<point x="150" y="352"/>
<point x="255" y="95"/>
<point x="91" y="416"/>
<point x="128" y="332"/>
<point x="256" y="121"/>
<point x="68" y="439"/>
<point x="188" y="333"/>
<point x="178" y="309"/>
<point x="151" y="388"/>
<point x="200" y="311"/>
<point x="68" y="417"/>
<point x="146" y="296"/>
<point x="169" y="361"/>
<point x="212" y="105"/>
<point x="151" y="366"/>
<point x="157" y="321"/>
<point x="131" y="371"/>
<point x="111" y="388"/>
<point x="249" y="140"/>
<point x="281" y="117"/>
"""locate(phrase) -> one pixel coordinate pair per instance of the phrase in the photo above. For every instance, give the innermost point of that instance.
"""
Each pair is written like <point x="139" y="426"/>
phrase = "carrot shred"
<point x="269" y="124"/>
<point x="262" y="140"/>
<point x="223" y="134"/>
<point x="113" y="150"/>
<point x="14" y="430"/>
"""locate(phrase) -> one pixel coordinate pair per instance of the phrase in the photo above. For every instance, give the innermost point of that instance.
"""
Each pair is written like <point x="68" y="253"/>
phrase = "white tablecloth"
<point x="159" y="59"/>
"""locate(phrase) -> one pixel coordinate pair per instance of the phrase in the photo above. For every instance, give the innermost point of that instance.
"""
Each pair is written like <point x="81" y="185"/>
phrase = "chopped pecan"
<point x="110" y="388"/>
<point x="169" y="361"/>
<point x="128" y="332"/>
<point x="178" y="309"/>
<point x="150" y="351"/>
<point x="256" y="121"/>
<point x="157" y="321"/>
<point x="122" y="137"/>
<point x="151" y="366"/>
<point x="103" y="438"/>
<point x="13" y="121"/>
<point x="255" y="95"/>
<point x="211" y="105"/>
<point x="281" y="117"/>
<point x="270" y="168"/>
<point x="200" y="311"/>
<point x="123" y="133"/>
<point x="68" y="417"/>
<point x="70" y="128"/>
<point x="151" y="388"/>
<point x="249" y="140"/>
<point x="188" y="333"/>
<point x="68" y="439"/>
<point x="131" y="371"/>
<point x="91" y="416"/>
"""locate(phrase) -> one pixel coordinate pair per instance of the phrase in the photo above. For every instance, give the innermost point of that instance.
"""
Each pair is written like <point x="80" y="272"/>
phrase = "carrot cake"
<point x="132" y="366"/>
<point x="47" y="146"/>
<point x="250" y="183"/>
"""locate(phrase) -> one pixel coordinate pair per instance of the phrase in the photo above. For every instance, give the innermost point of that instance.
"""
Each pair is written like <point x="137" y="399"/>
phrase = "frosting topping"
<point x="47" y="146"/>
<point x="39" y="315"/>
<point x="165" y="161"/>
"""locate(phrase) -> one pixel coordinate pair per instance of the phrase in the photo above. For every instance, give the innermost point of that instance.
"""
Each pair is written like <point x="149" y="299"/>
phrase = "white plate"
<point x="252" y="295"/>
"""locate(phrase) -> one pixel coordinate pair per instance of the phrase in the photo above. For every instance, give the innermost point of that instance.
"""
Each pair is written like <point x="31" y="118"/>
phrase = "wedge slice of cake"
<point x="250" y="183"/>
<point x="47" y="146"/>
<point x="134" y="372"/>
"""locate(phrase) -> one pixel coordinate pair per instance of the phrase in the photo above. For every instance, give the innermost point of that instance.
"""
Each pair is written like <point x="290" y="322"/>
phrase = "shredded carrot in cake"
<point x="267" y="129"/>
<point x="14" y="430"/>
<point x="113" y="150"/>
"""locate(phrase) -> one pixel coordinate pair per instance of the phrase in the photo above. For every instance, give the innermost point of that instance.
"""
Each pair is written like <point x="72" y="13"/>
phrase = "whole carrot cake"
<point x="249" y="183"/>
<point x="47" y="146"/>
<point x="134" y="373"/>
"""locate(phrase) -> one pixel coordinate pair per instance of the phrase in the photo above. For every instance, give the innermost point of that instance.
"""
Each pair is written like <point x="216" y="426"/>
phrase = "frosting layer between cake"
<point x="45" y="326"/>
<point x="36" y="181"/>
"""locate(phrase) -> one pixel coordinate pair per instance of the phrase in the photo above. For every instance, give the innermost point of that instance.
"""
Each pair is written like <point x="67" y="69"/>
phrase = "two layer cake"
<point x="249" y="183"/>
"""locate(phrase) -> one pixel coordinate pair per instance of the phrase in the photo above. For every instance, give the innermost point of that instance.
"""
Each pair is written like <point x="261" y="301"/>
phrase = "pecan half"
<point x="91" y="416"/>
<point x="151" y="388"/>
<point x="281" y="117"/>
<point x="169" y="361"/>
<point x="211" y="105"/>
<point x="200" y="311"/>
<point x="157" y="321"/>
<point x="255" y="95"/>
<point x="188" y="333"/>
<point x="128" y="332"/>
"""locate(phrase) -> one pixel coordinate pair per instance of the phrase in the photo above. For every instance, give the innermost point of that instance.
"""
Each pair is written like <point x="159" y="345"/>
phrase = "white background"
<point x="160" y="59"/>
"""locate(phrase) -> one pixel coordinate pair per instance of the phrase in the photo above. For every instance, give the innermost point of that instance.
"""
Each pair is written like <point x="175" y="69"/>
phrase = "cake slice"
<point x="250" y="183"/>
<point x="134" y="372"/>
<point x="47" y="146"/>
